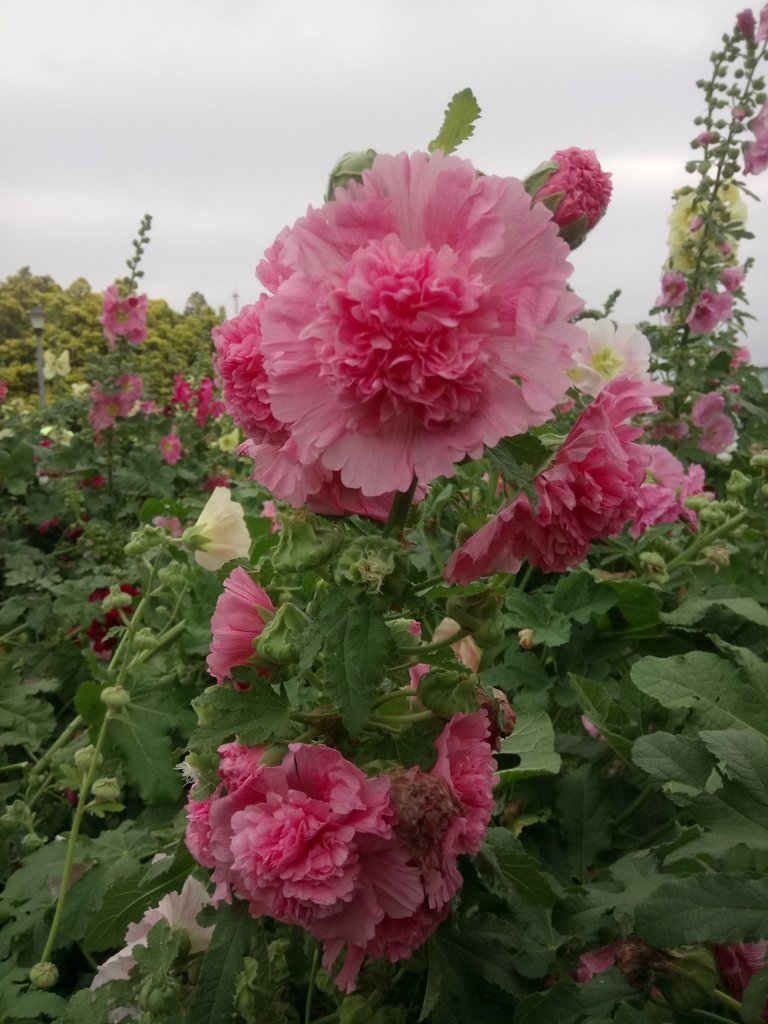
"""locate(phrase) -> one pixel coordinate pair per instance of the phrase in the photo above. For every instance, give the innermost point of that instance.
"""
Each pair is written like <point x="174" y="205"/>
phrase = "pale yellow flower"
<point x="220" y="533"/>
<point x="228" y="442"/>
<point x="682" y="241"/>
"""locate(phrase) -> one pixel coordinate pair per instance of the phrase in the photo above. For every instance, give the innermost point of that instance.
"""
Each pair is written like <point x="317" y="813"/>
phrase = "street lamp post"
<point x="37" y="321"/>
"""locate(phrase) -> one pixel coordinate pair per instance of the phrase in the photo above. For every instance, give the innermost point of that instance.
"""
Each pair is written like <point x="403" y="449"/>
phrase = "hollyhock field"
<point x="406" y="658"/>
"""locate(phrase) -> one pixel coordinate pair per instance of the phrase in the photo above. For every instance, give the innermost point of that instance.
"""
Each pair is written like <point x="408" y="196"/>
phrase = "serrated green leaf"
<point x="258" y="715"/>
<point x="580" y="596"/>
<point x="567" y="1001"/>
<point x="582" y="802"/>
<point x="520" y="460"/>
<point x="719" y="694"/>
<point x="458" y="122"/>
<point x="533" y="741"/>
<point x="638" y="603"/>
<point x="357" y="650"/>
<point x="534" y="612"/>
<point x="669" y="758"/>
<point x="127" y="899"/>
<point x="704" y="908"/>
<point x="214" y="997"/>
<point x="507" y="869"/>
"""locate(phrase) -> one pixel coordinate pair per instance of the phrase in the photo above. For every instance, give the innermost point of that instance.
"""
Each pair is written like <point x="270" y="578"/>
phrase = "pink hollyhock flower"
<point x="589" y="492"/>
<point x="170" y="523"/>
<point x="718" y="430"/>
<point x="708" y="310"/>
<point x="198" y="834"/>
<point x="738" y="963"/>
<point x="203" y="401"/>
<point x="762" y="29"/>
<point x="170" y="448"/>
<point x="269" y="511"/>
<point x="705" y="138"/>
<point x="740" y="356"/>
<point x="608" y="351"/>
<point x="745" y="22"/>
<point x="595" y="961"/>
<point x="673" y="289"/>
<point x="216" y="480"/>
<point x="662" y="497"/>
<point x="401" y="340"/>
<point x="585" y="186"/>
<point x="675" y="431"/>
<point x="237" y="763"/>
<point x="123" y="317"/>
<point x="731" y="278"/>
<point x="182" y="392"/>
<point x="179" y="910"/>
<point x="756" y="152"/>
<point x="220" y="533"/>
<point x="241" y="613"/>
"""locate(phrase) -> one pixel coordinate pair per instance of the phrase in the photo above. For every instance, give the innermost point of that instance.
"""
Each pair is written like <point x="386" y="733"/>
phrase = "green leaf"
<point x="533" y="741"/>
<point x="579" y="595"/>
<point x="695" y="609"/>
<point x="533" y="611"/>
<point x="214" y="997"/>
<point x="25" y="718"/>
<point x="582" y="803"/>
<point x="606" y="714"/>
<point x="638" y="603"/>
<point x="567" y="1001"/>
<point x="127" y="899"/>
<point x="755" y="997"/>
<point x="458" y="122"/>
<point x="719" y="694"/>
<point x="507" y="869"/>
<point x="357" y="650"/>
<point x="704" y="908"/>
<point x="255" y="716"/>
<point x="669" y="758"/>
<point x="520" y="460"/>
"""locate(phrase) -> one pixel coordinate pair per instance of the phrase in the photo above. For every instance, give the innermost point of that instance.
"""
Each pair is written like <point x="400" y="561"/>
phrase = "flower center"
<point x="404" y="333"/>
<point x="607" y="362"/>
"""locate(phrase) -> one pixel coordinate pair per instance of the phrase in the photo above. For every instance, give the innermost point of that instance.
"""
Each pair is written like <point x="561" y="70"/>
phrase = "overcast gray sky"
<point x="222" y="120"/>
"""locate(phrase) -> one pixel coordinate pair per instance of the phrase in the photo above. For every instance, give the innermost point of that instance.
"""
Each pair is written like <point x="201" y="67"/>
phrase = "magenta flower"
<point x="586" y="188"/>
<point x="708" y="310"/>
<point x="182" y="392"/>
<point x="740" y="356"/>
<point x="588" y="493"/>
<point x="756" y="152"/>
<point x="762" y="29"/>
<point x="400" y="339"/>
<point x="718" y="431"/>
<point x="204" y="401"/>
<point x="662" y="498"/>
<point x="745" y="22"/>
<point x="731" y="278"/>
<point x="241" y="613"/>
<point x="738" y="963"/>
<point x="123" y="317"/>
<point x="170" y="447"/>
<point x="3" y="390"/>
<point x="673" y="289"/>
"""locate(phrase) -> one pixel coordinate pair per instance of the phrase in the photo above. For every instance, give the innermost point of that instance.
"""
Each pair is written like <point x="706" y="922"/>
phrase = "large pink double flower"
<point x="419" y="316"/>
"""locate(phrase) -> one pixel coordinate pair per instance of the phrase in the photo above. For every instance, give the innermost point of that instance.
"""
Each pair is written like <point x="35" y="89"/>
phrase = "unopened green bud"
<point x="540" y="176"/>
<point x="105" y="790"/>
<point x="32" y="841"/>
<point x="653" y="559"/>
<point x="116" y="598"/>
<point x="738" y="483"/>
<point x="144" y="540"/>
<point x="697" y="502"/>
<point x="447" y="692"/>
<point x="44" y="975"/>
<point x="403" y="632"/>
<point x="305" y="543"/>
<point x="349" y="167"/>
<point x="115" y="697"/>
<point x="480" y="614"/>
<point x="375" y="563"/>
<point x="687" y="977"/>
<point x="322" y="590"/>
<point x="159" y="995"/>
<point x="759" y="461"/>
<point x="145" y="639"/>
<point x="84" y="756"/>
<point x="279" y="642"/>
<point x="717" y="555"/>
<point x="171" y="574"/>
<point x="713" y="514"/>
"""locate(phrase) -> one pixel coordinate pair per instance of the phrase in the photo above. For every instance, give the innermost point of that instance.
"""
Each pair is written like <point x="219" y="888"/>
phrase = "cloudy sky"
<point x="222" y="120"/>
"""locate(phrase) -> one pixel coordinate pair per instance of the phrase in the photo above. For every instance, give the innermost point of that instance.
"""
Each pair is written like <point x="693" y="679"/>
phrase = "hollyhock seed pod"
<point x="44" y="975"/>
<point x="114" y="697"/>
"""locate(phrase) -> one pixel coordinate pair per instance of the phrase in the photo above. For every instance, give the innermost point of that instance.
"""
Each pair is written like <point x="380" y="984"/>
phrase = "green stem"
<point x="401" y="506"/>
<point x="395" y="722"/>
<point x="12" y="632"/>
<point x="438" y="645"/>
<point x="433" y="581"/>
<point x="385" y="698"/>
<point x="73" y="834"/>
<point x="62" y="741"/>
<point x="19" y="765"/>
<point x="526" y="578"/>
<point x="311" y="987"/>
<point x="638" y="802"/>
<point x="726" y="1000"/>
<point x="706" y="539"/>
<point x="706" y="1015"/>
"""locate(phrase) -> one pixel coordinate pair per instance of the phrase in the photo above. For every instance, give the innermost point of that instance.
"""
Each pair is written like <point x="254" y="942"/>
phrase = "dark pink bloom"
<point x="738" y="963"/>
<point x="237" y="763"/>
<point x="675" y="431"/>
<point x="48" y="524"/>
<point x="708" y="310"/>
<point x="182" y="392"/>
<point x="588" y="493"/>
<point x="102" y="645"/>
<point x="3" y="390"/>
<point x="242" y="611"/>
<point x="204" y="401"/>
<point x="705" y="138"/>
<point x="756" y="152"/>
<point x="731" y="278"/>
<point x="696" y="222"/>
<point x="198" y="835"/>
<point x="170" y="448"/>
<point x="585" y="186"/>
<point x="718" y="430"/>
<point x="673" y="288"/>
<point x="216" y="480"/>
<point x="662" y="497"/>
<point x="401" y="340"/>
<point x="745" y="22"/>
<point x="124" y="317"/>
<point x="595" y="961"/>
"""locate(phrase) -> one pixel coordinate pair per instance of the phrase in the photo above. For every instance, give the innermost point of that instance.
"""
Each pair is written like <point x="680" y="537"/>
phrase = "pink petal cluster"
<point x="709" y="309"/>
<point x="171" y="448"/>
<point x="416" y="318"/>
<point x="205" y="404"/>
<point x="182" y="392"/>
<point x="756" y="152"/>
<point x="3" y="390"/>
<point x="589" y="492"/>
<point x="113" y="402"/>
<point x="586" y="187"/>
<point x="731" y="278"/>
<point x="366" y="864"/>
<point x="661" y="499"/>
<point x="745" y="22"/>
<point x="762" y="29"/>
<point x="241" y="613"/>
<point x="740" y="357"/>
<point x="673" y="289"/>
<point x="738" y="963"/>
<point x="123" y="317"/>
<point x="718" y="430"/>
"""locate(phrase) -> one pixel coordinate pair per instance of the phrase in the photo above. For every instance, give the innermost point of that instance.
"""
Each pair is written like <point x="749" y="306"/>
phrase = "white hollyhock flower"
<point x="606" y="352"/>
<point x="220" y="533"/>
